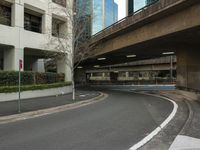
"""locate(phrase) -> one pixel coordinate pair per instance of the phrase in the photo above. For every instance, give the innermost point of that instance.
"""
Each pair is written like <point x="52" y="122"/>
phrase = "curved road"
<point x="117" y="123"/>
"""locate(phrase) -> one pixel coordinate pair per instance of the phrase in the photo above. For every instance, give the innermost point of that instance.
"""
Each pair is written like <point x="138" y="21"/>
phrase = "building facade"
<point x="103" y="13"/>
<point x="26" y="28"/>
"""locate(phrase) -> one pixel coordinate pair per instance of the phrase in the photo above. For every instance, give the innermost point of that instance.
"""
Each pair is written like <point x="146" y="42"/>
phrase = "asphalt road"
<point x="116" y="123"/>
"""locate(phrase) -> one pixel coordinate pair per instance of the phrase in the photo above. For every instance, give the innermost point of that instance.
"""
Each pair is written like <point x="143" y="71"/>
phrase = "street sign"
<point x="20" y="64"/>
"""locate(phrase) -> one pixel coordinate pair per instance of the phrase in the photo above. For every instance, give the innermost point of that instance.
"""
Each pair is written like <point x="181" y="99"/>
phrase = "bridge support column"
<point x="188" y="68"/>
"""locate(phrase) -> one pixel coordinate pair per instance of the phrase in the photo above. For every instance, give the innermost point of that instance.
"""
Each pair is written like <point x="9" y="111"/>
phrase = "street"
<point x="116" y="123"/>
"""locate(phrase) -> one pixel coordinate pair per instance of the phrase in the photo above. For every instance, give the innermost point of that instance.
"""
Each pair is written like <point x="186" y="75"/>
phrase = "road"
<point x="117" y="123"/>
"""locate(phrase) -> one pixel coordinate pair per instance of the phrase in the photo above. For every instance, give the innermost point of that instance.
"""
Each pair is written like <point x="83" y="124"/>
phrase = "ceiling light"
<point x="96" y="66"/>
<point x="79" y="67"/>
<point x="168" y="53"/>
<point x="101" y="59"/>
<point x="130" y="56"/>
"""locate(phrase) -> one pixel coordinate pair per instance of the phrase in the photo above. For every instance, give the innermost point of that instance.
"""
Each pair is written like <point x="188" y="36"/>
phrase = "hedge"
<point x="10" y="78"/>
<point x="9" y="89"/>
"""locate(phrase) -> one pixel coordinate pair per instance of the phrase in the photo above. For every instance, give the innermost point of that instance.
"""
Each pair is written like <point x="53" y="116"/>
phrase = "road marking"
<point x="158" y="129"/>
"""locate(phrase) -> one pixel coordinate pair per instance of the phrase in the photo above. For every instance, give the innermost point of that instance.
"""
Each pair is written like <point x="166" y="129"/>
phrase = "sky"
<point x="122" y="7"/>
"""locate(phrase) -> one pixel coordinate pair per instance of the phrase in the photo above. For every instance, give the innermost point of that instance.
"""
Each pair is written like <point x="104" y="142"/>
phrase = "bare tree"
<point x="74" y="43"/>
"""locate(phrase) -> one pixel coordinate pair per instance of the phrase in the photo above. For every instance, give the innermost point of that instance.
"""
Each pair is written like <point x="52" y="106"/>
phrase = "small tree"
<point x="73" y="44"/>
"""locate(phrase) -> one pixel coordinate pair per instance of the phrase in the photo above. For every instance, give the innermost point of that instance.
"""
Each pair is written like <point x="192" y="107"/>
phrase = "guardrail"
<point x="134" y="18"/>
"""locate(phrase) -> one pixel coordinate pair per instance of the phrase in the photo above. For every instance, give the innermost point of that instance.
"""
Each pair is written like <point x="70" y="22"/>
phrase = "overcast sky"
<point x="121" y="8"/>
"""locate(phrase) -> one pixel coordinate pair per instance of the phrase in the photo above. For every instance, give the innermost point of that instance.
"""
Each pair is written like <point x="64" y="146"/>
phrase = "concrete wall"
<point x="188" y="68"/>
<point x="34" y="94"/>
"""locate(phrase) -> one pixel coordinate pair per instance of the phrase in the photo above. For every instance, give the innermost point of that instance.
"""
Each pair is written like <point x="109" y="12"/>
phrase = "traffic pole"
<point x="19" y="100"/>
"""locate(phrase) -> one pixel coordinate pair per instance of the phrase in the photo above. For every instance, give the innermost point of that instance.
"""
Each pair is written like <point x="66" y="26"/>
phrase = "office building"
<point x="25" y="30"/>
<point x="103" y="13"/>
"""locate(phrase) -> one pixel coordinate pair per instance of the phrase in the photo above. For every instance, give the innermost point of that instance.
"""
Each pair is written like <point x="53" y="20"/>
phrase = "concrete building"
<point x="26" y="28"/>
<point x="150" y="71"/>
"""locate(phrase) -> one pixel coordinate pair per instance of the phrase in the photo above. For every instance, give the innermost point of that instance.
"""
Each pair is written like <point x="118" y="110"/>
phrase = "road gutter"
<point x="48" y="111"/>
<point x="159" y="128"/>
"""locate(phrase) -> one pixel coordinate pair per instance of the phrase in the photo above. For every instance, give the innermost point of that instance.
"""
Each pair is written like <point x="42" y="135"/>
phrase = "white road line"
<point x="158" y="129"/>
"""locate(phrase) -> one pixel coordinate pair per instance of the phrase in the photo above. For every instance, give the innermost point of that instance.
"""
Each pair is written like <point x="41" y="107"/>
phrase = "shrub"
<point x="9" y="89"/>
<point x="10" y="78"/>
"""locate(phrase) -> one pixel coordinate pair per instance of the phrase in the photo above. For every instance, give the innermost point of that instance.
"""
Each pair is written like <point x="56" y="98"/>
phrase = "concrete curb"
<point x="189" y="118"/>
<point x="48" y="111"/>
<point x="160" y="127"/>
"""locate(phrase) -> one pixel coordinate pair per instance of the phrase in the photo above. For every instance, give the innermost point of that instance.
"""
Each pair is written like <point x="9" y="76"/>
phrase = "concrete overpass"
<point x="166" y="26"/>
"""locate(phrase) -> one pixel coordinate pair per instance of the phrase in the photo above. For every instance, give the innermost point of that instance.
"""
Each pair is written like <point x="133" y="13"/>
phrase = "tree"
<point x="74" y="43"/>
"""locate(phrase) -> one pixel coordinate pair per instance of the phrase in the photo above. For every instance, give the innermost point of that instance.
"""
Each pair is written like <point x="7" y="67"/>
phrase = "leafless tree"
<point x="73" y="44"/>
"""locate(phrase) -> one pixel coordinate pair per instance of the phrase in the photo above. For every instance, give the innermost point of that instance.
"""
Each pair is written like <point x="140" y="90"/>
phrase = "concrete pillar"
<point x="63" y="67"/>
<point x="38" y="66"/>
<point x="47" y="23"/>
<point x="12" y="57"/>
<point x="188" y="68"/>
<point x="17" y="15"/>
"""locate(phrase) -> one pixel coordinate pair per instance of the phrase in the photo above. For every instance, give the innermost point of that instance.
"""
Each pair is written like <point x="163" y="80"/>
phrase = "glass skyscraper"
<point x="103" y="12"/>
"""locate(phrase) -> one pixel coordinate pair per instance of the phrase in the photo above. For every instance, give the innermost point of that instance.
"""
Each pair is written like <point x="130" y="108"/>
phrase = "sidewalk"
<point x="183" y="132"/>
<point x="28" y="105"/>
<point x="189" y="137"/>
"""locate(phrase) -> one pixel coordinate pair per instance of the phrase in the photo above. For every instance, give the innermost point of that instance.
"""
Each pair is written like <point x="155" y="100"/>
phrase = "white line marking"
<point x="158" y="129"/>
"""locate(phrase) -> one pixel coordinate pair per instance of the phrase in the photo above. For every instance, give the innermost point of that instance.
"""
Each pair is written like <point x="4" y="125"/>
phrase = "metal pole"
<point x="19" y="100"/>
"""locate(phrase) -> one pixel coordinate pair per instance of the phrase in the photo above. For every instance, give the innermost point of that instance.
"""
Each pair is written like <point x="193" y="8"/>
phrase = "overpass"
<point x="163" y="27"/>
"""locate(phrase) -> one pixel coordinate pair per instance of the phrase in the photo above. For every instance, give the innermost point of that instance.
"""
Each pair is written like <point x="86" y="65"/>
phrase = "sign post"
<point x="19" y="100"/>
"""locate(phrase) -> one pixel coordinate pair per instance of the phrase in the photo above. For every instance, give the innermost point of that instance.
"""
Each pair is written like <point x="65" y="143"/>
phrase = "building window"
<point x="58" y="28"/>
<point x="55" y="28"/>
<point x="5" y="15"/>
<point x="60" y="2"/>
<point x="32" y="22"/>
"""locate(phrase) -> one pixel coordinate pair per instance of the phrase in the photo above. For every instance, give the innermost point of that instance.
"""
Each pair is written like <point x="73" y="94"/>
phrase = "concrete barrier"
<point x="36" y="93"/>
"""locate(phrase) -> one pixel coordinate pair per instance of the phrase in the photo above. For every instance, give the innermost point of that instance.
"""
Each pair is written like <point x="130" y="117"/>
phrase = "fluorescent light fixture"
<point x="96" y="66"/>
<point x="79" y="67"/>
<point x="130" y="56"/>
<point x="116" y="71"/>
<point x="101" y="59"/>
<point x="168" y="53"/>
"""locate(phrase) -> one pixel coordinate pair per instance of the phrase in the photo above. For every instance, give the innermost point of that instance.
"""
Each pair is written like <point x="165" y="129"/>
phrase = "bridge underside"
<point x="149" y="49"/>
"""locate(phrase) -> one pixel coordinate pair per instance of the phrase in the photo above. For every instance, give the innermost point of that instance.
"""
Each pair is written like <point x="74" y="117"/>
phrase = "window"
<point x="5" y="15"/>
<point x="60" y="2"/>
<point x="58" y="28"/>
<point x="32" y="22"/>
